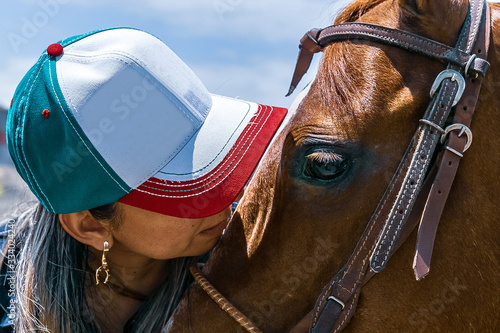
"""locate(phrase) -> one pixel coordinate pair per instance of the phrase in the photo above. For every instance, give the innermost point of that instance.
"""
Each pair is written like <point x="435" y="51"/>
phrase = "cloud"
<point x="254" y="42"/>
<point x="259" y="83"/>
<point x="267" y="20"/>
<point x="264" y="80"/>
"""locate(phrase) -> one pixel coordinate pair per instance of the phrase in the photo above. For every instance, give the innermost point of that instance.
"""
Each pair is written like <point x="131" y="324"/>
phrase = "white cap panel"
<point x="210" y="145"/>
<point x="115" y="122"/>
<point x="155" y="57"/>
<point x="112" y="84"/>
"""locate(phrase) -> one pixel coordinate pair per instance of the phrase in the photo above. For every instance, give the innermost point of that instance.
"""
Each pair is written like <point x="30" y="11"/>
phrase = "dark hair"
<point x="106" y="212"/>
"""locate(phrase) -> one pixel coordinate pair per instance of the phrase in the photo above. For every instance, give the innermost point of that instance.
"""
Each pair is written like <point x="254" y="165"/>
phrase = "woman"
<point x="135" y="166"/>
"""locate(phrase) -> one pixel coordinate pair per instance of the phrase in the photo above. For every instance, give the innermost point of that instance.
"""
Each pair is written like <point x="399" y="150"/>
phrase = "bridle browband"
<point x="316" y="40"/>
<point x="417" y="191"/>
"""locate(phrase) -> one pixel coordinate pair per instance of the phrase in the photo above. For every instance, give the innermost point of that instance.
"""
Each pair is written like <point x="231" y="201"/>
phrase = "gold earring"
<point x="104" y="265"/>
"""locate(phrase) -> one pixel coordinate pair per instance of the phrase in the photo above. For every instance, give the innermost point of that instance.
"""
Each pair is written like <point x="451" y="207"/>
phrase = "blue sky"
<point x="239" y="48"/>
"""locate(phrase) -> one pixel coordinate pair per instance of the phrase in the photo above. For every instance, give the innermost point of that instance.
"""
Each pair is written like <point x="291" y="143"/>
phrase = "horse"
<point x="321" y="180"/>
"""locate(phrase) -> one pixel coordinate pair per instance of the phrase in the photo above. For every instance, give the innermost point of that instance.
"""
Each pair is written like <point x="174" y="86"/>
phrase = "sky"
<point x="239" y="48"/>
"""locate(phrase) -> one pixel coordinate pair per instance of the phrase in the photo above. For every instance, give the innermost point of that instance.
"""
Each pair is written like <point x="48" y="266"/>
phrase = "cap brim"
<point x="212" y="168"/>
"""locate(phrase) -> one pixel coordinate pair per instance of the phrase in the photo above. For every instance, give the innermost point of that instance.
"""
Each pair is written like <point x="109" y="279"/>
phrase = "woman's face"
<point x="159" y="236"/>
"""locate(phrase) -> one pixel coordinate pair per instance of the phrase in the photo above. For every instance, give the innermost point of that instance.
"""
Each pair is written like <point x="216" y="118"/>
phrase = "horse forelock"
<point x="354" y="84"/>
<point x="340" y="85"/>
<point x="355" y="10"/>
<point x="341" y="65"/>
<point x="354" y="78"/>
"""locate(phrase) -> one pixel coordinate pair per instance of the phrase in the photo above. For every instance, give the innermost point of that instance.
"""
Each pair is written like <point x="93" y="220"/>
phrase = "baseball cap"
<point x="115" y="115"/>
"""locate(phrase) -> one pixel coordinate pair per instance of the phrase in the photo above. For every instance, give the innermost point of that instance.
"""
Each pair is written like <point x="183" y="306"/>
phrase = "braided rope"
<point x="221" y="301"/>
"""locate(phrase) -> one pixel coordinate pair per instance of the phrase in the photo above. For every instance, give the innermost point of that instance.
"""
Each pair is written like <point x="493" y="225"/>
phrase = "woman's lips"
<point x="216" y="230"/>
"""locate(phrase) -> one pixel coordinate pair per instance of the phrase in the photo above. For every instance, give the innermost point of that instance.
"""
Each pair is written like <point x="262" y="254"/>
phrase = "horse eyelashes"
<point x="325" y="166"/>
<point x="325" y="157"/>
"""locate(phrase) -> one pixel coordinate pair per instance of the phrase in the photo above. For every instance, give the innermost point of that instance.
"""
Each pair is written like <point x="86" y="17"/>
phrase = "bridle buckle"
<point x="462" y="129"/>
<point x="454" y="76"/>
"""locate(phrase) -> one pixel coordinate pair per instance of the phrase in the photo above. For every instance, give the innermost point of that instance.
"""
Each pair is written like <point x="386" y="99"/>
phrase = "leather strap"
<point x="327" y="324"/>
<point x="400" y="208"/>
<point x="450" y="159"/>
<point x="316" y="40"/>
<point x="402" y="191"/>
<point x="307" y="48"/>
<point x="331" y="323"/>
<point x="399" y="38"/>
<point x="411" y="176"/>
<point x="395" y="222"/>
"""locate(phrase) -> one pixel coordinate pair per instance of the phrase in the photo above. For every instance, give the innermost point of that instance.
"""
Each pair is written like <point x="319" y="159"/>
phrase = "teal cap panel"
<point x="51" y="152"/>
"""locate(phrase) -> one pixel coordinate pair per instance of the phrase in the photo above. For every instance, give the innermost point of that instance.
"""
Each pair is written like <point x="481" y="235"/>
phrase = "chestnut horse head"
<point x="322" y="179"/>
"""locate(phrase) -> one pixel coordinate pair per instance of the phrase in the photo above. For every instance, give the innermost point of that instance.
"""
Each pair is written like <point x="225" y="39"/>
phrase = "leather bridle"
<point x="417" y="191"/>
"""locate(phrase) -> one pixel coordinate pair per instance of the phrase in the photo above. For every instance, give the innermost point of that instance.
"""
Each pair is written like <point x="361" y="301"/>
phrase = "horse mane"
<point x="355" y="10"/>
<point x="343" y="77"/>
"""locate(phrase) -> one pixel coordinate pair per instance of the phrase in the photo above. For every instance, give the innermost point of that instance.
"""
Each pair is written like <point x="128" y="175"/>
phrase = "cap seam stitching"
<point x="78" y="134"/>
<point x="217" y="155"/>
<point x="245" y="133"/>
<point x="213" y="185"/>
<point x="168" y="158"/>
<point x="139" y="64"/>
<point x="18" y="141"/>
<point x="174" y="102"/>
<point x="236" y="153"/>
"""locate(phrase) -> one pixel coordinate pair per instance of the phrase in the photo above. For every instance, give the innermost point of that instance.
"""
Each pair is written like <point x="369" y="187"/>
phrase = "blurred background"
<point x="239" y="48"/>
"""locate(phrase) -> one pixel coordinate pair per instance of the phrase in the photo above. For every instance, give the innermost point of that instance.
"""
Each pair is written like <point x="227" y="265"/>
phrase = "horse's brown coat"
<point x="291" y="234"/>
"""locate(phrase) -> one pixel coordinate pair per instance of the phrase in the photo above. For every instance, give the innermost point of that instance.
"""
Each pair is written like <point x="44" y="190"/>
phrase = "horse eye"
<point x="325" y="166"/>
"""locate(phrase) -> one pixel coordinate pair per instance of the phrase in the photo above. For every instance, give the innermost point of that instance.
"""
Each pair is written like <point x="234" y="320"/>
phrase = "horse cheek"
<point x="416" y="322"/>
<point x="292" y="280"/>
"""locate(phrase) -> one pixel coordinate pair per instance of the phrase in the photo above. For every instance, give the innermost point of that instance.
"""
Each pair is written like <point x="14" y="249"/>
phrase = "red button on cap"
<point x="55" y="50"/>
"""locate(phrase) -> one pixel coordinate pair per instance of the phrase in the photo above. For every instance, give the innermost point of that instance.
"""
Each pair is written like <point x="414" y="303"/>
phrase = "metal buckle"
<point x="454" y="76"/>
<point x="463" y="129"/>
<point x="431" y="124"/>
<point x="333" y="298"/>
<point x="469" y="63"/>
